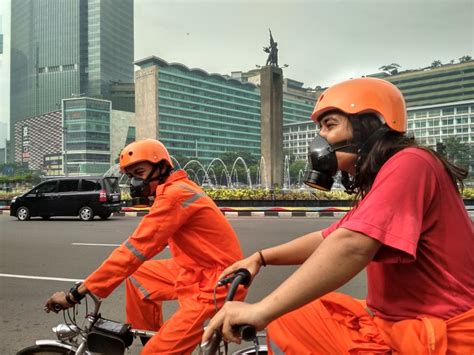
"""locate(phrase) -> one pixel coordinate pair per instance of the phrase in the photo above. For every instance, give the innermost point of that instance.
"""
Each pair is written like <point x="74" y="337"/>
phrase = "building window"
<point x="448" y="111"/>
<point x="420" y="124"/>
<point x="433" y="113"/>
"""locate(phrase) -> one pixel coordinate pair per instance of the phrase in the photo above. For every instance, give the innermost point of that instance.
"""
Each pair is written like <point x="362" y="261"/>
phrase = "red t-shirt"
<point x="426" y="263"/>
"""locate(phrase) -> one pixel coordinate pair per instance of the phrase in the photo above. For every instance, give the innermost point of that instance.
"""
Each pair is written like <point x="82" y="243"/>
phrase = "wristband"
<point x="262" y="260"/>
<point x="75" y="293"/>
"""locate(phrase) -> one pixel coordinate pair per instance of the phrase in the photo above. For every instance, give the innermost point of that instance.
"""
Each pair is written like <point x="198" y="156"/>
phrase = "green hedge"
<point x="277" y="194"/>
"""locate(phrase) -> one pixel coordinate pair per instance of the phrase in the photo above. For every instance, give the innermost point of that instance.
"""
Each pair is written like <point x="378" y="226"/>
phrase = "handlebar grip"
<point x="243" y="275"/>
<point x="247" y="332"/>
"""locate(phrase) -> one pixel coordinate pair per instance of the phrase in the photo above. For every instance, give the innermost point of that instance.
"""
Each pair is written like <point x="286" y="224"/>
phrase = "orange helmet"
<point x="150" y="150"/>
<point x="365" y="95"/>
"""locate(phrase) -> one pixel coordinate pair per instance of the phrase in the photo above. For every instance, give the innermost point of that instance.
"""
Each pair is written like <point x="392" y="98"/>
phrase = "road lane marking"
<point x="99" y="245"/>
<point x="39" y="278"/>
<point x="102" y="245"/>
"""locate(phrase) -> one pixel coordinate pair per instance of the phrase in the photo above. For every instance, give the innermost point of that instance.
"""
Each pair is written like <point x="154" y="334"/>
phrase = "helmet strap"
<point x="347" y="146"/>
<point x="162" y="176"/>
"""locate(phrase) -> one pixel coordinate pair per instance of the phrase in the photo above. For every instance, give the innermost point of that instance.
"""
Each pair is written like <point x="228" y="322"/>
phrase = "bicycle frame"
<point x="78" y="341"/>
<point x="74" y="339"/>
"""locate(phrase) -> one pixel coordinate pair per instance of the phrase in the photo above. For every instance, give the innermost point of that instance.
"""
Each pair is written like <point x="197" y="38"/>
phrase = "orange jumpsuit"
<point x="202" y="244"/>
<point x="339" y="324"/>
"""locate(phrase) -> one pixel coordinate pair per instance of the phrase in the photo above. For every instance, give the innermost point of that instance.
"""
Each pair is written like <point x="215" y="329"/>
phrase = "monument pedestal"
<point x="271" y="101"/>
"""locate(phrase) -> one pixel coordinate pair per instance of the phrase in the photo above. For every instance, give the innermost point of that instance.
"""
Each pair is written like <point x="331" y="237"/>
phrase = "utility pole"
<point x="196" y="148"/>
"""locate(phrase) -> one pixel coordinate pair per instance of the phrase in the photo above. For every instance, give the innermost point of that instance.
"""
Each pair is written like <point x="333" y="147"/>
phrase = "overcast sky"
<point x="321" y="41"/>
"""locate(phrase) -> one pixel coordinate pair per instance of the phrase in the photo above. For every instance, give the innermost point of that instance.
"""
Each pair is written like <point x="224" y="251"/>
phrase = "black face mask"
<point x="140" y="189"/>
<point x="323" y="162"/>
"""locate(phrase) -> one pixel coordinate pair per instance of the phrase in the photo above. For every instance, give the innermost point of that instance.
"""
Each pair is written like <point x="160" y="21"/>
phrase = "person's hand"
<point x="252" y="264"/>
<point x="234" y="314"/>
<point x="58" y="298"/>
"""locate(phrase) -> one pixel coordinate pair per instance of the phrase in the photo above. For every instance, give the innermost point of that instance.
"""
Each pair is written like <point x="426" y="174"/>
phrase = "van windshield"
<point x="112" y="184"/>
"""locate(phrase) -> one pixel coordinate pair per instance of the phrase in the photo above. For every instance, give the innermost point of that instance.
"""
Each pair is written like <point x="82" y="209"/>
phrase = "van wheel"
<point x="86" y="213"/>
<point x="104" y="216"/>
<point x="23" y="213"/>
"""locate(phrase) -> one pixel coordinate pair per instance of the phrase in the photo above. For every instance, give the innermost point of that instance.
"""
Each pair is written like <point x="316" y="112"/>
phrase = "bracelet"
<point x="262" y="260"/>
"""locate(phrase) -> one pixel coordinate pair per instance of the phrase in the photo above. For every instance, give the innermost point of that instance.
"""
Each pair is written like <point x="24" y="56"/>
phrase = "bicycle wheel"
<point x="262" y="350"/>
<point x="44" y="350"/>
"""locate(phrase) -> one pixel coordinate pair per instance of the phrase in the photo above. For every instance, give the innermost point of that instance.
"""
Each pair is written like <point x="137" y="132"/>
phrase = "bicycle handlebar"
<point x="247" y="332"/>
<point x="97" y="302"/>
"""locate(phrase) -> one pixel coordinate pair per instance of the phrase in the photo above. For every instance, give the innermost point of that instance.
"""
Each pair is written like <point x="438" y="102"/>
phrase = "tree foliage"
<point x="295" y="168"/>
<point x="458" y="152"/>
<point x="436" y="64"/>
<point x="391" y="69"/>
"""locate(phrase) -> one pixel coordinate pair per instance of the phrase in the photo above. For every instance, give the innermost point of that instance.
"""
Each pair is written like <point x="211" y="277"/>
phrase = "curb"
<point x="313" y="212"/>
<point x="283" y="214"/>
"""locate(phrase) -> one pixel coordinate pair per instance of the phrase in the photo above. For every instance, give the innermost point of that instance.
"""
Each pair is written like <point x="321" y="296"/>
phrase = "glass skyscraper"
<point x="67" y="48"/>
<point x="86" y="140"/>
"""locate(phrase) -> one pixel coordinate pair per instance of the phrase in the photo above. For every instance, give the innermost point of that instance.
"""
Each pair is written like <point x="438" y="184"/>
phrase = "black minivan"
<point x="83" y="196"/>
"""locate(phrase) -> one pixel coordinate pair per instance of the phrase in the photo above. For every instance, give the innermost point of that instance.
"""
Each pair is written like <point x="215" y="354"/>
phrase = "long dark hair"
<point x="388" y="145"/>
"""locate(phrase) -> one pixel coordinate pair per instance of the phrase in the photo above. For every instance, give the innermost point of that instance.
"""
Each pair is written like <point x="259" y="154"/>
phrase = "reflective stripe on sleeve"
<point x="193" y="198"/>
<point x="135" y="251"/>
<point x="137" y="284"/>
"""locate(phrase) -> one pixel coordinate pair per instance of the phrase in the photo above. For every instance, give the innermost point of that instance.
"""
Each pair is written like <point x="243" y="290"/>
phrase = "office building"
<point x="86" y="142"/>
<point x="432" y="86"/>
<point x="86" y="136"/>
<point x="296" y="139"/>
<point x="63" y="49"/>
<point x="37" y="137"/>
<point x="194" y="113"/>
<point x="197" y="114"/>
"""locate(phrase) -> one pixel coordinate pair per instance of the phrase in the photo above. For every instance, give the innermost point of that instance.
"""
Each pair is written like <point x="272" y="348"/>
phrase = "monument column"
<point x="271" y="101"/>
<point x="146" y="101"/>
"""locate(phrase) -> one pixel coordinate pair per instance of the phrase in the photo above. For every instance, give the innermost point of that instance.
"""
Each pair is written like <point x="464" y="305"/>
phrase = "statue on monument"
<point x="272" y="51"/>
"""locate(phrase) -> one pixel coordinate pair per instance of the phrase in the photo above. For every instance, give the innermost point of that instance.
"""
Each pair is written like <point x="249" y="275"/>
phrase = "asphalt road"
<point x="56" y="249"/>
